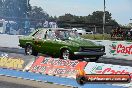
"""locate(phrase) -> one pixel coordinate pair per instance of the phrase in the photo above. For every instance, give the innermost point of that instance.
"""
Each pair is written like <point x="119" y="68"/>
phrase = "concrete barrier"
<point x="57" y="67"/>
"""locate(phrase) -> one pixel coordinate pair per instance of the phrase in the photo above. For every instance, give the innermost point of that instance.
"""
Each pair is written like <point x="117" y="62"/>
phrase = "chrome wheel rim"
<point x="29" y="50"/>
<point x="66" y="55"/>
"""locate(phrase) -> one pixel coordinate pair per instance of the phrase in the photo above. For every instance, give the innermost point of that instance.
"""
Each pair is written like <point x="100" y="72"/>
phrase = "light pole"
<point x="131" y="23"/>
<point x="104" y="20"/>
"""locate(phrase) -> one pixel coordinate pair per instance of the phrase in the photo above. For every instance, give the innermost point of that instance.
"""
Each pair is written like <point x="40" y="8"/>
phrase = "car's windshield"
<point x="66" y="34"/>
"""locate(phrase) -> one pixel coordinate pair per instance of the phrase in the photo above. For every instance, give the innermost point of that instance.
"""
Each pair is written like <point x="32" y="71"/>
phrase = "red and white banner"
<point x="101" y="68"/>
<point x="117" y="49"/>
<point x="59" y="67"/>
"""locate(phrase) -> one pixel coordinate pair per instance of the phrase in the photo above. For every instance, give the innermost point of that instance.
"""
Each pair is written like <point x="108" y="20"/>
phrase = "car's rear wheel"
<point x="94" y="60"/>
<point x="66" y="54"/>
<point x="30" y="51"/>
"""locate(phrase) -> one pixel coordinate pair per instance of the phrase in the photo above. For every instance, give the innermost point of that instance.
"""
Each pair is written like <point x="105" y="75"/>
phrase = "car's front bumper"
<point x="89" y="53"/>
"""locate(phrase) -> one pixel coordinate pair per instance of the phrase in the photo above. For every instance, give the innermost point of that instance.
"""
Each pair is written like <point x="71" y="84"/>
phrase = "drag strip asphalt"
<point x="12" y="50"/>
<point x="9" y="82"/>
<point x="114" y="61"/>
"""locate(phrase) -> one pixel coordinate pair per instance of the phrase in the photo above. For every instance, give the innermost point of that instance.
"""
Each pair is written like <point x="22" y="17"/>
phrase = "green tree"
<point x="67" y="18"/>
<point x="37" y="13"/>
<point x="53" y="19"/>
<point x="37" y="16"/>
<point x="97" y="17"/>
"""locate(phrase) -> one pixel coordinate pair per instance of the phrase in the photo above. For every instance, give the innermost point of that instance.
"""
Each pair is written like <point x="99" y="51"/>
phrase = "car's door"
<point x="47" y="45"/>
<point x="38" y="40"/>
<point x="51" y="44"/>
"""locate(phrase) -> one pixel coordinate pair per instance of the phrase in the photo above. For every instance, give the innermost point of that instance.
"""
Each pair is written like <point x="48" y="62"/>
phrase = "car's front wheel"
<point x="66" y="54"/>
<point x="30" y="51"/>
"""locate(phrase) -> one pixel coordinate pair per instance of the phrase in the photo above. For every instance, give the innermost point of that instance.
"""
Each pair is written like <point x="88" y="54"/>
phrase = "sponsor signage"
<point x="100" y="68"/>
<point x="103" y="78"/>
<point x="123" y="49"/>
<point x="11" y="62"/>
<point x="108" y="78"/>
<point x="117" y="49"/>
<point x="59" y="67"/>
<point x="15" y="61"/>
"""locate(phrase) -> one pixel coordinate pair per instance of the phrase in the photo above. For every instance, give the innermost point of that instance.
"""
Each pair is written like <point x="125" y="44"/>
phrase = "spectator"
<point x="8" y="25"/>
<point x="128" y="35"/>
<point x="131" y="32"/>
<point x="112" y="33"/>
<point x="121" y="34"/>
<point x="116" y="32"/>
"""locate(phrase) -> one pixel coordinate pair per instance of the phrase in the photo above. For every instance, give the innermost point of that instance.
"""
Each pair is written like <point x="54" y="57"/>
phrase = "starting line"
<point x="54" y="79"/>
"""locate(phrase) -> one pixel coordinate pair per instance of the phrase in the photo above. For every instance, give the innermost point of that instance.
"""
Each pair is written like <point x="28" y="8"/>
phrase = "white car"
<point x="82" y="31"/>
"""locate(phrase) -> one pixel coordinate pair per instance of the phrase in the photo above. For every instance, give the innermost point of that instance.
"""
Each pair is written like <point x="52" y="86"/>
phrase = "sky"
<point x="121" y="10"/>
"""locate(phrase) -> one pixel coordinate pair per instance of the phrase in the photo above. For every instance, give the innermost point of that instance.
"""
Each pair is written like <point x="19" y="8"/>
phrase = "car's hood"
<point x="82" y="42"/>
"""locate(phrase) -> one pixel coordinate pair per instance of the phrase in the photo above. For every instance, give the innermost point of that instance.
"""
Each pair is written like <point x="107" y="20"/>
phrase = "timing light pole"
<point x="104" y="20"/>
<point x="131" y="23"/>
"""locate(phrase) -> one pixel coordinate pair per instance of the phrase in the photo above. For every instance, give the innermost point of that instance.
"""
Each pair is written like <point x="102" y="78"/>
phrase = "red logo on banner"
<point x="112" y="71"/>
<point x="51" y="66"/>
<point x="124" y="49"/>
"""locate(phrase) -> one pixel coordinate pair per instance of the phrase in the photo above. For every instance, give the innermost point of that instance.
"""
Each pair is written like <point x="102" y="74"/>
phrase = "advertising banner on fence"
<point x="58" y="67"/>
<point x="13" y="61"/>
<point x="101" y="68"/>
<point x="117" y="49"/>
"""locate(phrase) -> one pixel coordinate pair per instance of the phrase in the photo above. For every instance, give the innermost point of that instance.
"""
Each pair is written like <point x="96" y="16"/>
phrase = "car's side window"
<point x="47" y="35"/>
<point x="39" y="35"/>
<point x="50" y="35"/>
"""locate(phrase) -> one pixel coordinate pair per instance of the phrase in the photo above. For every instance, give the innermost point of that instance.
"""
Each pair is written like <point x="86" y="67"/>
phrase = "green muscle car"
<point x="63" y="43"/>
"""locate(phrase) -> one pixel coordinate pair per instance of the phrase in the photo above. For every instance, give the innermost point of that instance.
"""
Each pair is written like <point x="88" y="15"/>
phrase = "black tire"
<point x="94" y="60"/>
<point x="66" y="54"/>
<point x="30" y="51"/>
